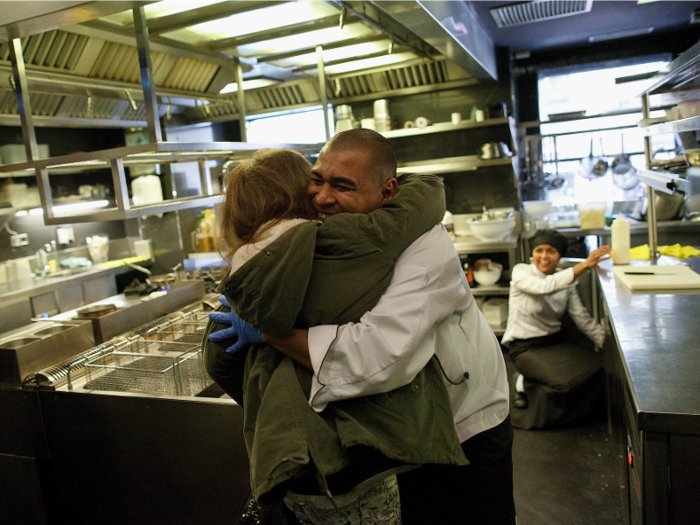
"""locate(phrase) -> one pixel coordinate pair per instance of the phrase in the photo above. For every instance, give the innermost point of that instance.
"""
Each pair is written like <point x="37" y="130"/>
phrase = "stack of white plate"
<point x="16" y="153"/>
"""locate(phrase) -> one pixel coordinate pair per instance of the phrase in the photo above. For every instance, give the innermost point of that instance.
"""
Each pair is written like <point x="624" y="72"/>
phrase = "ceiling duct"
<point x="537" y="11"/>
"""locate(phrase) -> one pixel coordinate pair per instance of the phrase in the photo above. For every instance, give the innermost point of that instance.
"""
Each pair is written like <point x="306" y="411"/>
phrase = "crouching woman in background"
<point x="560" y="375"/>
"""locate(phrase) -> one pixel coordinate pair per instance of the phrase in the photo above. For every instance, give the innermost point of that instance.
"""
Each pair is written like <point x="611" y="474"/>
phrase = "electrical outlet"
<point x="19" y="239"/>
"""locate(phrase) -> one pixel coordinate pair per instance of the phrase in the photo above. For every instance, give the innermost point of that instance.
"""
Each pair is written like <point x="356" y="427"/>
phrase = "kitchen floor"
<point x="567" y="477"/>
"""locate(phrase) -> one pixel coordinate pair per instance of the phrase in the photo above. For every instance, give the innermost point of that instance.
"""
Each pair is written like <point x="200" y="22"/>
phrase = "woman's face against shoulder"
<point x="545" y="258"/>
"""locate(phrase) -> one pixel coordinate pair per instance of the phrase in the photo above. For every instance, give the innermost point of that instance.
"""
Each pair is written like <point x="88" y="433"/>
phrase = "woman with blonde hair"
<point x="290" y="270"/>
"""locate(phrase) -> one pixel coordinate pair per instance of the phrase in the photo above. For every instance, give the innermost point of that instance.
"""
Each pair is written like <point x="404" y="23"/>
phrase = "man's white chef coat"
<point x="428" y="309"/>
<point x="538" y="301"/>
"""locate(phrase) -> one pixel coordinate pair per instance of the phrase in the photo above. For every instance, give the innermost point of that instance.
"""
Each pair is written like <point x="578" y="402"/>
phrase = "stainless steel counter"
<point x="658" y="337"/>
<point x="38" y="285"/>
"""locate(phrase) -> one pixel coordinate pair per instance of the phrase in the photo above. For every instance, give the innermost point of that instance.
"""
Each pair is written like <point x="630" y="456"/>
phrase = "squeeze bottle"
<point x="620" y="241"/>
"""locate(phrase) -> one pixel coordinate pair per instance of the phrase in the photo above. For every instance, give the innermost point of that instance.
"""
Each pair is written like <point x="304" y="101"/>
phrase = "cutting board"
<point x="677" y="277"/>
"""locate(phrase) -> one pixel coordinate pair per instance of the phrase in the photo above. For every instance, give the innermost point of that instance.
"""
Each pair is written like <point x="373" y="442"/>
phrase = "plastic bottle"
<point x="620" y="241"/>
<point x="204" y="235"/>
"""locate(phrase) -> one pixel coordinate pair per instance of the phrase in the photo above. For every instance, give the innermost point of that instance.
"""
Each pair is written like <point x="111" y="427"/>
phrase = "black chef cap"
<point x="552" y="237"/>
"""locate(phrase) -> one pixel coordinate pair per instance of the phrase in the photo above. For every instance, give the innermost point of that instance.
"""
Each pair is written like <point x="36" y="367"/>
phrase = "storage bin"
<point x="495" y="311"/>
<point x="592" y="215"/>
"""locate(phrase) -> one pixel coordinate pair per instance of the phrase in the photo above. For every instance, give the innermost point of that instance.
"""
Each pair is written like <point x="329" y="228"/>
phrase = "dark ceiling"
<point x="604" y="17"/>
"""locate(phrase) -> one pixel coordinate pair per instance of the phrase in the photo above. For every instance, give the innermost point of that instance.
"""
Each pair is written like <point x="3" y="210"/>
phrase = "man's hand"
<point x="240" y="333"/>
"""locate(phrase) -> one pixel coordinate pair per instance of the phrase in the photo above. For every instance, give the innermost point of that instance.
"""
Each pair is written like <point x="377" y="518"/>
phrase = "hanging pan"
<point x="624" y="175"/>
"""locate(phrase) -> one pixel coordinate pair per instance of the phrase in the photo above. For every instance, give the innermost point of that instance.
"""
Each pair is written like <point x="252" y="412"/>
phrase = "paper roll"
<point x="408" y="125"/>
<point x="422" y="122"/>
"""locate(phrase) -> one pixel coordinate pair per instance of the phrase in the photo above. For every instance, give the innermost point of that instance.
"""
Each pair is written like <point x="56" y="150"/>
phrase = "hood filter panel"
<point x="537" y="11"/>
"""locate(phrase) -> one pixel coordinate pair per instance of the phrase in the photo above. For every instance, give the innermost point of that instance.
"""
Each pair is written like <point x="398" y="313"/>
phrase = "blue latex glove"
<point x="241" y="333"/>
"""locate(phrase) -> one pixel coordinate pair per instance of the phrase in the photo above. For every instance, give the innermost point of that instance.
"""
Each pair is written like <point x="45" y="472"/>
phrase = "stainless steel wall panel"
<point x="127" y="458"/>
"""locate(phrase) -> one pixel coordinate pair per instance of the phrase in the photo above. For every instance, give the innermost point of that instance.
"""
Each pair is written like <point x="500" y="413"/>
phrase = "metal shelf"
<point x="683" y="72"/>
<point x="152" y="153"/>
<point x="500" y="288"/>
<point x="467" y="245"/>
<point x="664" y="181"/>
<point x="673" y="126"/>
<point x="452" y="164"/>
<point x="444" y="126"/>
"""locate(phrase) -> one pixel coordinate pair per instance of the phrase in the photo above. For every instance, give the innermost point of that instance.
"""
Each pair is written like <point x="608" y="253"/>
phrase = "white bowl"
<point x="487" y="277"/>
<point x="493" y="230"/>
<point x="537" y="209"/>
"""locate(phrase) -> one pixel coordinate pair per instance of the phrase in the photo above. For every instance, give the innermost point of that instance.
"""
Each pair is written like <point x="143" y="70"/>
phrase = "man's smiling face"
<point x="343" y="181"/>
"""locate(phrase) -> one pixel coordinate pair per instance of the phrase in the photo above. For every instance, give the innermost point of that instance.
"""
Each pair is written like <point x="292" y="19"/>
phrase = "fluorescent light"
<point x="251" y="22"/>
<point x="621" y="34"/>
<point x="350" y="51"/>
<point x="253" y="83"/>
<point x="65" y="209"/>
<point x="158" y="10"/>
<point x="640" y="2"/>
<point x="366" y="63"/>
<point x="304" y="40"/>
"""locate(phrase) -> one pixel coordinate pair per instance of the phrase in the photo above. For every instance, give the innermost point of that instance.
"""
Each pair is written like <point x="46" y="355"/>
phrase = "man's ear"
<point x="390" y="189"/>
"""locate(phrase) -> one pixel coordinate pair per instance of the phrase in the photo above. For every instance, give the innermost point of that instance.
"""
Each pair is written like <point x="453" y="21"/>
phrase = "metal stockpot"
<point x="668" y="207"/>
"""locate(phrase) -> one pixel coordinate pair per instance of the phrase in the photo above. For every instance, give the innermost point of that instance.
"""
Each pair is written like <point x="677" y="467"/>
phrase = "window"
<point x="298" y="127"/>
<point x="599" y="111"/>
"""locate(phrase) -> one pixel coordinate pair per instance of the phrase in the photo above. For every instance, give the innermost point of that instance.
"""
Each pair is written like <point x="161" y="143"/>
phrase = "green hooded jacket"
<point x="331" y="273"/>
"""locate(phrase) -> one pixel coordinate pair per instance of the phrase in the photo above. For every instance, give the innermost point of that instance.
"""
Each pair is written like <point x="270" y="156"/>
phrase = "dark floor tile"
<point x="568" y="476"/>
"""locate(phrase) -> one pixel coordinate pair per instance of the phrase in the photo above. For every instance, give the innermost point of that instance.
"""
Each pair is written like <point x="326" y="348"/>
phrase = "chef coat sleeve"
<point x="394" y="341"/>
<point x="583" y="320"/>
<point x="525" y="280"/>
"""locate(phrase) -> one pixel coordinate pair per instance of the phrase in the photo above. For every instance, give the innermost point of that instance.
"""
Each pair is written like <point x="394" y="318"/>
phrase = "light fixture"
<point x="304" y="40"/>
<point x="158" y="10"/>
<point x="251" y="83"/>
<point x="332" y="55"/>
<point x="621" y="34"/>
<point x="65" y="209"/>
<point x="355" y="65"/>
<point x="251" y="22"/>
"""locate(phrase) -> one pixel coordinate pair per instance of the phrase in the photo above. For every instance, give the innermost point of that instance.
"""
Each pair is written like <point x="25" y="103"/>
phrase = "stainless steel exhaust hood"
<point x="453" y="29"/>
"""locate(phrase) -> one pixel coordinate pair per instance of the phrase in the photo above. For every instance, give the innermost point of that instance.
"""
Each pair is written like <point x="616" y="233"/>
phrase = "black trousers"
<point x="564" y="380"/>
<point x="480" y="493"/>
